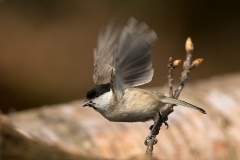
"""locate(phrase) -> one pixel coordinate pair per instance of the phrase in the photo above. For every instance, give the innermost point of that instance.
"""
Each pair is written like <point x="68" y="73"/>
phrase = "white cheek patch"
<point x="103" y="100"/>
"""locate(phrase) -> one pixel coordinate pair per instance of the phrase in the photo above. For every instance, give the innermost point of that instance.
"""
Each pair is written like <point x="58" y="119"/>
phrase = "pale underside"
<point x="136" y="105"/>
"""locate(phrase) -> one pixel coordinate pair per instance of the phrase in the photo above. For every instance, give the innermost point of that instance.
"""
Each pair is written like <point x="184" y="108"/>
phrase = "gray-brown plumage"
<point x="122" y="61"/>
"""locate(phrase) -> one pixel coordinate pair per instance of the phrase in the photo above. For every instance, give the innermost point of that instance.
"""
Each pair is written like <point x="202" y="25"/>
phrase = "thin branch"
<point x="150" y="147"/>
<point x="170" y="79"/>
<point x="187" y="67"/>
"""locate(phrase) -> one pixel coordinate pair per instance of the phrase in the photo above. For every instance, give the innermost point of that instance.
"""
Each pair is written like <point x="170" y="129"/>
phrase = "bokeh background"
<point x="46" y="46"/>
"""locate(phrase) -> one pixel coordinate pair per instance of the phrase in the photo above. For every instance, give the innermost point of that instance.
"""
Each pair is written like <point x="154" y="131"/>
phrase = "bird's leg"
<point x="154" y="129"/>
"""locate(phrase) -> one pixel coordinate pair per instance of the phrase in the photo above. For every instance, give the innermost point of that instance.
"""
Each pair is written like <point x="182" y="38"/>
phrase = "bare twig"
<point x="150" y="146"/>
<point x="187" y="67"/>
<point x="170" y="79"/>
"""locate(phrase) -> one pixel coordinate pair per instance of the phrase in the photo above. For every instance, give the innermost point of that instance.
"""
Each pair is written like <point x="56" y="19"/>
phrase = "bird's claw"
<point x="151" y="137"/>
<point x="151" y="127"/>
<point x="166" y="124"/>
<point x="164" y="121"/>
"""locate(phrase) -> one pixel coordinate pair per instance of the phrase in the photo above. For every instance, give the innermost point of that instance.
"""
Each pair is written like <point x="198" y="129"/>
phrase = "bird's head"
<point x="98" y="97"/>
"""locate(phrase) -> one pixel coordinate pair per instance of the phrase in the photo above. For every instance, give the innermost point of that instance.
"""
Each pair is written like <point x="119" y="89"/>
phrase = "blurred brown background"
<point x="46" y="46"/>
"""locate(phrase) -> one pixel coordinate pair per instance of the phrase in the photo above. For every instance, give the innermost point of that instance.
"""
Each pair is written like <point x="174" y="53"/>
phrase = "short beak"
<point x="85" y="102"/>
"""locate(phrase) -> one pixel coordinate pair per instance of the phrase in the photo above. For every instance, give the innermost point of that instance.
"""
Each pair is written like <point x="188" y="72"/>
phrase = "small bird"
<point x="122" y="61"/>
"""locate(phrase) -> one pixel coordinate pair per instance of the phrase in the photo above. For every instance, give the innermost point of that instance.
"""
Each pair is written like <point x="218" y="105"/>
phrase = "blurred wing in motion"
<point x="103" y="54"/>
<point x="132" y="61"/>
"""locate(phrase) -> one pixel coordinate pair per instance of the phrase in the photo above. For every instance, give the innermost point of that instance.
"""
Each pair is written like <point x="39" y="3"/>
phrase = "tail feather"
<point x="181" y="103"/>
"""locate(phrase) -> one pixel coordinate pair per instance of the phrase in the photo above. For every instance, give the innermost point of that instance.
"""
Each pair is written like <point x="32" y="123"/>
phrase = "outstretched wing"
<point x="132" y="61"/>
<point x="103" y="54"/>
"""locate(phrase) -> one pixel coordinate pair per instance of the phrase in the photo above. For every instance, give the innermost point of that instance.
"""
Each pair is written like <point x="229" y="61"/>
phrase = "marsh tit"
<point x="122" y="61"/>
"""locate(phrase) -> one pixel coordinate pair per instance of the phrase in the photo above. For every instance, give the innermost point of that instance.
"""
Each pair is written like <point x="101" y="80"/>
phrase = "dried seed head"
<point x="176" y="63"/>
<point x="189" y="46"/>
<point x="197" y="62"/>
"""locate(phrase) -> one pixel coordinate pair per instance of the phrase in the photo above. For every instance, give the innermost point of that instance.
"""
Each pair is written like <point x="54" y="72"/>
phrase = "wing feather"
<point x="132" y="61"/>
<point x="125" y="52"/>
<point x="103" y="54"/>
